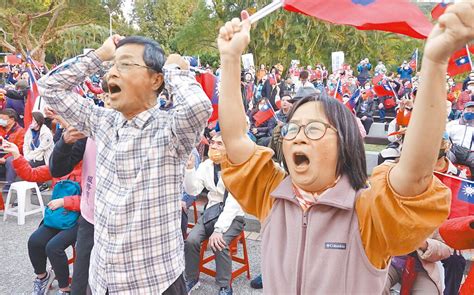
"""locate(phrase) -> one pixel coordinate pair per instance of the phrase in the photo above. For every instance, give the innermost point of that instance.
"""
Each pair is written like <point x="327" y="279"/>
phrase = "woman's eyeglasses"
<point x="313" y="130"/>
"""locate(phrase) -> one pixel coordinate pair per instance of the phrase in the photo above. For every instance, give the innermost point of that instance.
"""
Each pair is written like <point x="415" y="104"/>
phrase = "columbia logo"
<point x="335" y="246"/>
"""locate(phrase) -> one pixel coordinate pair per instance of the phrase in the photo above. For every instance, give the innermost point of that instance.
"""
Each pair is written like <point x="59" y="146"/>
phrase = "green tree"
<point x="161" y="20"/>
<point x="281" y="36"/>
<point x="31" y="26"/>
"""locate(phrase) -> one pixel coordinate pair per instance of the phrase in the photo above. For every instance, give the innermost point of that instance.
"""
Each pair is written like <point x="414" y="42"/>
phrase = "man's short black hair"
<point x="11" y="113"/>
<point x="153" y="55"/>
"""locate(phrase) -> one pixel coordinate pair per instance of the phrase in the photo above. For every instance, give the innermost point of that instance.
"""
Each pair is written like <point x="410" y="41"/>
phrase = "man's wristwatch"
<point x="218" y="230"/>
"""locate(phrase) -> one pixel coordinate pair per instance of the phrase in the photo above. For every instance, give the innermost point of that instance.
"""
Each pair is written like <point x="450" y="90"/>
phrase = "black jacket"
<point x="66" y="156"/>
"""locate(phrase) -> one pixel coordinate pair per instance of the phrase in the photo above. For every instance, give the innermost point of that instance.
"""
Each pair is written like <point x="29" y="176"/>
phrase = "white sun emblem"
<point x="468" y="190"/>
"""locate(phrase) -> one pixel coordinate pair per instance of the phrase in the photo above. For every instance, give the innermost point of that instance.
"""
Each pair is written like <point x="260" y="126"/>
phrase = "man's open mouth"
<point x="300" y="159"/>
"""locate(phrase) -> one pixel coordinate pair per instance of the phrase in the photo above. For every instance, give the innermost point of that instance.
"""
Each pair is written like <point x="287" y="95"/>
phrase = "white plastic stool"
<point x="23" y="190"/>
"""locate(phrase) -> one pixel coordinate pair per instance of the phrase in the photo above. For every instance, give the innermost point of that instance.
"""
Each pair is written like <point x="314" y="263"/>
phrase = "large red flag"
<point x="33" y="93"/>
<point x="462" y="201"/>
<point x="210" y="83"/>
<point x="399" y="16"/>
<point x="459" y="62"/>
<point x="438" y="10"/>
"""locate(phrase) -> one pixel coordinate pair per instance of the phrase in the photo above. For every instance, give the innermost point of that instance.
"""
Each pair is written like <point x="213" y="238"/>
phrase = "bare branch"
<point x="5" y="43"/>
<point x="62" y="29"/>
<point x="50" y="11"/>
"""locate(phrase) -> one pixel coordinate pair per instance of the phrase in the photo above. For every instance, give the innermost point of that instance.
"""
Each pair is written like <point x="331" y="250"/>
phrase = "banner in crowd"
<point x="247" y="61"/>
<point x="337" y="59"/>
<point x="462" y="200"/>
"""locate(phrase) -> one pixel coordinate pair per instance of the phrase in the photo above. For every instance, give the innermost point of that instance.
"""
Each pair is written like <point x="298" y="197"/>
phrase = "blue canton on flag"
<point x="462" y="60"/>
<point x="466" y="193"/>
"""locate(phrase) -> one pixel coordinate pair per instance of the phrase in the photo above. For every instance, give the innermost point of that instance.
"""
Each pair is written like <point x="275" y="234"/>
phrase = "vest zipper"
<point x="300" y="261"/>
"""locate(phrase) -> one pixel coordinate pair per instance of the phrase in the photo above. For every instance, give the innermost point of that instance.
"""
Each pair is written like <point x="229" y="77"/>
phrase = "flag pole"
<point x="393" y="90"/>
<point x="416" y="62"/>
<point x="469" y="57"/>
<point x="265" y="11"/>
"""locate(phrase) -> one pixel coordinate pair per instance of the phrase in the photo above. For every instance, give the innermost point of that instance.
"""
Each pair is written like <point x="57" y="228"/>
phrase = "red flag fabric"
<point x="458" y="233"/>
<point x="13" y="59"/>
<point x="210" y="83"/>
<point x="264" y="114"/>
<point x="401" y="16"/>
<point x="383" y="90"/>
<point x="462" y="200"/>
<point x="376" y="80"/>
<point x="459" y="62"/>
<point x="33" y="93"/>
<point x="438" y="10"/>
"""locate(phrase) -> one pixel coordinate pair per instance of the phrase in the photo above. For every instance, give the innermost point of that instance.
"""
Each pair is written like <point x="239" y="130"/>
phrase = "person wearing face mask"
<point x="166" y="102"/>
<point x="325" y="231"/>
<point x="38" y="144"/>
<point x="13" y="132"/>
<point x="16" y="98"/>
<point x="222" y="229"/>
<point x="405" y="71"/>
<point x="461" y="133"/>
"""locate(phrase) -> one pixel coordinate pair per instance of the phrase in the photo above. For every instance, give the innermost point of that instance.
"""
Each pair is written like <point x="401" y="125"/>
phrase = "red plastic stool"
<point x="191" y="225"/>
<point x="233" y="253"/>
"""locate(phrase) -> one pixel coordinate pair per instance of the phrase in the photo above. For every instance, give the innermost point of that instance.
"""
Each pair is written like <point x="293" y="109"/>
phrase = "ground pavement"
<point x="16" y="272"/>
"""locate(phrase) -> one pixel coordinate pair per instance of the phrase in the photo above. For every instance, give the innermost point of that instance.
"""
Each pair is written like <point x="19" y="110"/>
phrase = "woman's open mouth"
<point x="301" y="160"/>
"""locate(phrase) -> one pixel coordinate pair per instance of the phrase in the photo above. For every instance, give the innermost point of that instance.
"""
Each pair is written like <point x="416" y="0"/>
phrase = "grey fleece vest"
<point x="317" y="252"/>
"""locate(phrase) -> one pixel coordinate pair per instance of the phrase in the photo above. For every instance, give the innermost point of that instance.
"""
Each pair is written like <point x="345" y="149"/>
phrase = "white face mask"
<point x="471" y="88"/>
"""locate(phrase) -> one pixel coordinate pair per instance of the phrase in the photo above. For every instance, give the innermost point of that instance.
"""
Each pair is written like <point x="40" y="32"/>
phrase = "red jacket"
<point x="16" y="135"/>
<point x="41" y="174"/>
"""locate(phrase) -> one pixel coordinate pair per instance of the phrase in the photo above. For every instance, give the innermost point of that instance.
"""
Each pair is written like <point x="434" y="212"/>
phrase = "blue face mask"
<point x="162" y="103"/>
<point x="3" y="123"/>
<point x="468" y="116"/>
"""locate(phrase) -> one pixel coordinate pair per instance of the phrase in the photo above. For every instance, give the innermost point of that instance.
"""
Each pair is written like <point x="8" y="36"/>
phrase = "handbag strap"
<point x="217" y="168"/>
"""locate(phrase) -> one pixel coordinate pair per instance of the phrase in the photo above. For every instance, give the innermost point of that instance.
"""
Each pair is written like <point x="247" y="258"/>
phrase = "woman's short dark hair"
<point x="11" y="113"/>
<point x="153" y="55"/>
<point x="39" y="118"/>
<point x="351" y="153"/>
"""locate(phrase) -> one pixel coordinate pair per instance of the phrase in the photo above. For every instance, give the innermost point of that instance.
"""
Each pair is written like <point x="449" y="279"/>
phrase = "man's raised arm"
<point x="58" y="89"/>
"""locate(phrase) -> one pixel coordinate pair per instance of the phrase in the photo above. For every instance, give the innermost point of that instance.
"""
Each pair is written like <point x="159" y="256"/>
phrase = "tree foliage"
<point x="33" y="26"/>
<point x="161" y="20"/>
<point x="281" y="36"/>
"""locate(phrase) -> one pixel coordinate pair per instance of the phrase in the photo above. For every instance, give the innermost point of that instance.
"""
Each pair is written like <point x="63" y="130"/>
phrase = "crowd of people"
<point x="130" y="125"/>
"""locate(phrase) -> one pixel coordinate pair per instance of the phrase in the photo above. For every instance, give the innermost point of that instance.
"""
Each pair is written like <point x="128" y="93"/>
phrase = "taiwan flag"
<point x="377" y="79"/>
<point x="33" y="93"/>
<point x="210" y="85"/>
<point x="438" y="10"/>
<point x="462" y="201"/>
<point x="263" y="114"/>
<point x="401" y="16"/>
<point x="414" y="61"/>
<point x="460" y="62"/>
<point x="352" y="102"/>
<point x="13" y="59"/>
<point x="383" y="89"/>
